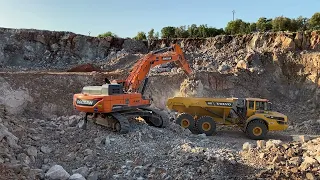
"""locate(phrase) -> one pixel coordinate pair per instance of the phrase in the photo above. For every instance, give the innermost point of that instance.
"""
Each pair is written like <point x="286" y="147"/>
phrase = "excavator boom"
<point x="162" y="56"/>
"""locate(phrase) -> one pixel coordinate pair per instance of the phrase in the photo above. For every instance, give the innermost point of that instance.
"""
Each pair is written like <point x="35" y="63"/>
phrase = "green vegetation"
<point x="107" y="34"/>
<point x="315" y="21"/>
<point x="237" y="26"/>
<point x="151" y="34"/>
<point x="141" y="36"/>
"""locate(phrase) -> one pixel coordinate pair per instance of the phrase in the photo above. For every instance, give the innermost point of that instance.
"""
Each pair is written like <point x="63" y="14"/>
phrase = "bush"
<point x="107" y="34"/>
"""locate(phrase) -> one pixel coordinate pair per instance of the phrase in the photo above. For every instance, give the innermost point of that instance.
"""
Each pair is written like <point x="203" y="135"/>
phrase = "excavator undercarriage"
<point x="118" y="121"/>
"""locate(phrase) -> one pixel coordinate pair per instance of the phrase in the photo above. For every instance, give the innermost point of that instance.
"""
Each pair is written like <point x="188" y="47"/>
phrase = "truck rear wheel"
<point x="186" y="121"/>
<point x="206" y="125"/>
<point x="256" y="129"/>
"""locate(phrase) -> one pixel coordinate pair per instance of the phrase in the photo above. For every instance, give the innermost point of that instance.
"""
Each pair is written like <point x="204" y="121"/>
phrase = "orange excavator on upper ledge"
<point x="114" y="102"/>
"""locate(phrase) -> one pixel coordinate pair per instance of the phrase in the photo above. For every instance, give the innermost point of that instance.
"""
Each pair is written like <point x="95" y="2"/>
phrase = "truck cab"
<point x="261" y="118"/>
<point x="257" y="105"/>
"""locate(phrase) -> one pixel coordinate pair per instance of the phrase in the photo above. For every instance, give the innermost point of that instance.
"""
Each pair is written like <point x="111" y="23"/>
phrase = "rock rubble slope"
<point x="60" y="148"/>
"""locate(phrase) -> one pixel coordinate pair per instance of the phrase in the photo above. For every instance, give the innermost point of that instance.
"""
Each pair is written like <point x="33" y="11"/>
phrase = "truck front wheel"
<point x="206" y="125"/>
<point x="186" y="121"/>
<point x="256" y="129"/>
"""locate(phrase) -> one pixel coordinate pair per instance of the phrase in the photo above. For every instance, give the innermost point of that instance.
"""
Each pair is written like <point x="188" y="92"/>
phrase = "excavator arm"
<point x="165" y="55"/>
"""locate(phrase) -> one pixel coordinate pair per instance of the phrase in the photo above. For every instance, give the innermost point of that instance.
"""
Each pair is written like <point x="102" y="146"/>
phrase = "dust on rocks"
<point x="191" y="88"/>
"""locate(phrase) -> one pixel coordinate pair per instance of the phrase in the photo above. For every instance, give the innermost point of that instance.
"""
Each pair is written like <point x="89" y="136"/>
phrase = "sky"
<point x="127" y="17"/>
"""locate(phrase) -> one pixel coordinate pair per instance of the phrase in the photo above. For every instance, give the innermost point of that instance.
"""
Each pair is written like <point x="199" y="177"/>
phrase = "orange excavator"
<point x="113" y="103"/>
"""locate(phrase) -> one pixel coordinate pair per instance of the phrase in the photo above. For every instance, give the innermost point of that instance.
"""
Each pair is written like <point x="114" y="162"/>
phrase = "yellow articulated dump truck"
<point x="202" y="115"/>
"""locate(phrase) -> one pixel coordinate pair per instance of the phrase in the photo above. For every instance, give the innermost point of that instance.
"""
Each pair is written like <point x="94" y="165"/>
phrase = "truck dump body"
<point x="218" y="108"/>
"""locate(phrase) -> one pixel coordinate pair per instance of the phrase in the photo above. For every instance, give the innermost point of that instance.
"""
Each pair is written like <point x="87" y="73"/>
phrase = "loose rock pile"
<point x="299" y="159"/>
<point x="59" y="148"/>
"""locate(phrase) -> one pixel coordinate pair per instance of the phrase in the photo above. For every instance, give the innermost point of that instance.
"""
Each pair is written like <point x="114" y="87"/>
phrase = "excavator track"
<point x="119" y="121"/>
<point x="122" y="125"/>
<point x="152" y="117"/>
<point x="158" y="118"/>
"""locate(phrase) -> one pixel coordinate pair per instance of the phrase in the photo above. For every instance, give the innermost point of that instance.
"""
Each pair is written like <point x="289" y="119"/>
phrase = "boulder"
<point x="84" y="171"/>
<point x="302" y="138"/>
<point x="32" y="151"/>
<point x="246" y="146"/>
<point x="10" y="138"/>
<point x="242" y="64"/>
<point x="261" y="144"/>
<point x="76" y="177"/>
<point x="57" y="172"/>
<point x="283" y="42"/>
<point x="45" y="149"/>
<point x="315" y="40"/>
<point x="310" y="176"/>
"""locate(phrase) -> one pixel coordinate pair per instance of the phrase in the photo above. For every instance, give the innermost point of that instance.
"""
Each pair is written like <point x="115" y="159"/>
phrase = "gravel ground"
<point x="97" y="153"/>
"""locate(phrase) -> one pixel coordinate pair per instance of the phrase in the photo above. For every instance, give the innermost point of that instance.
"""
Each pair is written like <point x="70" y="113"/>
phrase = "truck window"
<point x="260" y="105"/>
<point x="251" y="105"/>
<point x="269" y="106"/>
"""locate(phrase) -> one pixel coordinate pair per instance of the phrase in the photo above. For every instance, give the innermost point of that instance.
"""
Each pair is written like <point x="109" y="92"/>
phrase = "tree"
<point x="237" y="27"/>
<point x="203" y="31"/>
<point x="151" y="34"/>
<point x="181" y="32"/>
<point x="141" y="36"/>
<point x="156" y="36"/>
<point x="264" y="24"/>
<point x="231" y="27"/>
<point x="282" y="24"/>
<point x="168" y="32"/>
<point x="193" y="31"/>
<point x="107" y="34"/>
<point x="314" y="21"/>
<point x="212" y="32"/>
<point x="300" y="24"/>
<point x="253" y="27"/>
<point x="244" y="28"/>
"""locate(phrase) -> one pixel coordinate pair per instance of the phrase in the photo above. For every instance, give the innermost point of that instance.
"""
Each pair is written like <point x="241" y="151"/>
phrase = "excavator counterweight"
<point x="113" y="103"/>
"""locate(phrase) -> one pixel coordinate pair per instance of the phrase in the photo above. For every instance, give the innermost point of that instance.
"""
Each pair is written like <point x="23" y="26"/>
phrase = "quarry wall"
<point x="283" y="67"/>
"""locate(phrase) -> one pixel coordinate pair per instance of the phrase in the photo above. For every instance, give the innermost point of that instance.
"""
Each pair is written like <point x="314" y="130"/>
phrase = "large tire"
<point x="206" y="125"/>
<point x="256" y="130"/>
<point x="186" y="121"/>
